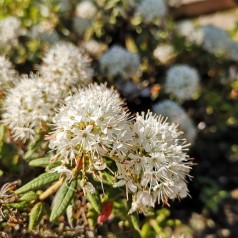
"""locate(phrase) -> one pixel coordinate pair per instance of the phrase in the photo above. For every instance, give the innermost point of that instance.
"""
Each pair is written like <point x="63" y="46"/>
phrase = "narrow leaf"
<point x="62" y="199"/>
<point x="41" y="162"/>
<point x="40" y="181"/>
<point x="18" y="205"/>
<point x="30" y="196"/>
<point x="135" y="222"/>
<point x="94" y="199"/>
<point x="36" y="215"/>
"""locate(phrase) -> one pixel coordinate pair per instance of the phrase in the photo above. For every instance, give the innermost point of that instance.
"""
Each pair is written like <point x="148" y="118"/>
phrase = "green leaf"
<point x="18" y="205"/>
<point x="135" y="222"/>
<point x="63" y="198"/>
<point x="30" y="196"/>
<point x="36" y="215"/>
<point x="41" y="162"/>
<point x="40" y="181"/>
<point x="94" y="199"/>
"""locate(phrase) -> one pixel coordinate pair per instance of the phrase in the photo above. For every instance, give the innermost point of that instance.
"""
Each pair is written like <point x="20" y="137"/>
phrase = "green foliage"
<point x="36" y="215"/>
<point x="42" y="180"/>
<point x="94" y="199"/>
<point x="63" y="198"/>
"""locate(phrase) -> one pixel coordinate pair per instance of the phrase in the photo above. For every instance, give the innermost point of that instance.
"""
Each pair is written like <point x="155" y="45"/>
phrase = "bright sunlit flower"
<point x="182" y="81"/>
<point x="66" y="66"/>
<point x="157" y="165"/>
<point x="93" y="123"/>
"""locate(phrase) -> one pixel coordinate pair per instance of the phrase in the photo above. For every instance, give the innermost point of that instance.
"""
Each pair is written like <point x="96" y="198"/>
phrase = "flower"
<point x="192" y="33"/>
<point x="157" y="163"/>
<point x="152" y="9"/>
<point x="86" y="10"/>
<point x="8" y="75"/>
<point x="28" y="105"/>
<point x="44" y="31"/>
<point x="66" y="66"/>
<point x="233" y="50"/>
<point x="10" y="30"/>
<point x="164" y="53"/>
<point x="215" y="40"/>
<point x="119" y="61"/>
<point x="182" y="81"/>
<point x="177" y="114"/>
<point x="94" y="48"/>
<point x="92" y="124"/>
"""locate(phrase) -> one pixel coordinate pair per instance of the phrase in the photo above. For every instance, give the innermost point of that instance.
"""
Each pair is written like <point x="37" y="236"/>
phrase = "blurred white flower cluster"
<point x="152" y="9"/>
<point x="215" y="40"/>
<point x="119" y="61"/>
<point x="164" y="53"/>
<point x="66" y="66"/>
<point x="84" y="14"/>
<point x="10" y="30"/>
<point x="8" y="75"/>
<point x="28" y="105"/>
<point x="192" y="33"/>
<point x="177" y="114"/>
<point x="182" y="81"/>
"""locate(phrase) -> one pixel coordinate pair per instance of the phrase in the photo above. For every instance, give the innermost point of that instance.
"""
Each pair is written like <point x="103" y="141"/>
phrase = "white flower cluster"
<point x="164" y="53"/>
<point x="215" y="40"/>
<point x="8" y="75"/>
<point x="119" y="61"/>
<point x="85" y="12"/>
<point x="192" y="33"/>
<point x="28" y="105"/>
<point x="152" y="9"/>
<point x="177" y="114"/>
<point x="182" y="81"/>
<point x="66" y="66"/>
<point x="93" y="123"/>
<point x="150" y="156"/>
<point x="10" y="30"/>
<point x="157" y="165"/>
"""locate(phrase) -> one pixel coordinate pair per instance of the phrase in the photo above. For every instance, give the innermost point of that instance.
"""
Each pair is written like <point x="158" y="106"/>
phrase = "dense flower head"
<point x="215" y="40"/>
<point x="157" y="165"/>
<point x="152" y="9"/>
<point x="93" y="123"/>
<point x="66" y="66"/>
<point x="164" y="53"/>
<point x="28" y="105"/>
<point x="119" y="61"/>
<point x="8" y="75"/>
<point x="86" y="9"/>
<point x="177" y="114"/>
<point x="192" y="33"/>
<point x="182" y="81"/>
<point x="10" y="30"/>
